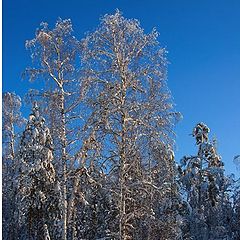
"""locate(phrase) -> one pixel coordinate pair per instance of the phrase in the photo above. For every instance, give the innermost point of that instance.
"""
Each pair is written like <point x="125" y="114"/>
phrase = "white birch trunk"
<point x="64" y="166"/>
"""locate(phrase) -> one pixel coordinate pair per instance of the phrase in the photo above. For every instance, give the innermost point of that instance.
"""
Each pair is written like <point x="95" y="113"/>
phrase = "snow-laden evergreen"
<point x="209" y="212"/>
<point x="37" y="188"/>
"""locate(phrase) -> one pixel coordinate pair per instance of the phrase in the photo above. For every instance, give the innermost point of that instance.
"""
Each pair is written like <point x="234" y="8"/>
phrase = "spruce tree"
<point x="38" y="192"/>
<point x="206" y="188"/>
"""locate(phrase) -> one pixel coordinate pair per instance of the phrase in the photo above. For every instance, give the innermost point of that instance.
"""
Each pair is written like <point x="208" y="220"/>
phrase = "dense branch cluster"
<point x="95" y="159"/>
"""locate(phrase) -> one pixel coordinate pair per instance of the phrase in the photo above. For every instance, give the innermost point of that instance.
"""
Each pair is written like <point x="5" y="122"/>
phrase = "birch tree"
<point x="131" y="109"/>
<point x="55" y="53"/>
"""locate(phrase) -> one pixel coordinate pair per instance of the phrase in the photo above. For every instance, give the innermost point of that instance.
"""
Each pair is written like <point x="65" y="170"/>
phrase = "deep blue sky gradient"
<point x="203" y="40"/>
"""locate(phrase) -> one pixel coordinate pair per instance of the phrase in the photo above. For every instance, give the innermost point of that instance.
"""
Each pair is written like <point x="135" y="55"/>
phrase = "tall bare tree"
<point x="132" y="110"/>
<point x="55" y="53"/>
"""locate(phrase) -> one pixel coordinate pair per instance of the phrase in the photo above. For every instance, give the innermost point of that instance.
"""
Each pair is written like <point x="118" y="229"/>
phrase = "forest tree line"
<point x="95" y="158"/>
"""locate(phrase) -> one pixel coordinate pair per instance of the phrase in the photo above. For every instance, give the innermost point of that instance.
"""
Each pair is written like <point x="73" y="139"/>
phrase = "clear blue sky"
<point x="203" y="40"/>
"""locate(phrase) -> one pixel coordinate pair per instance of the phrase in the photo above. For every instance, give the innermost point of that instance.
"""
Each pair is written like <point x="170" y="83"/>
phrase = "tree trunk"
<point x="122" y="222"/>
<point x="64" y="167"/>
